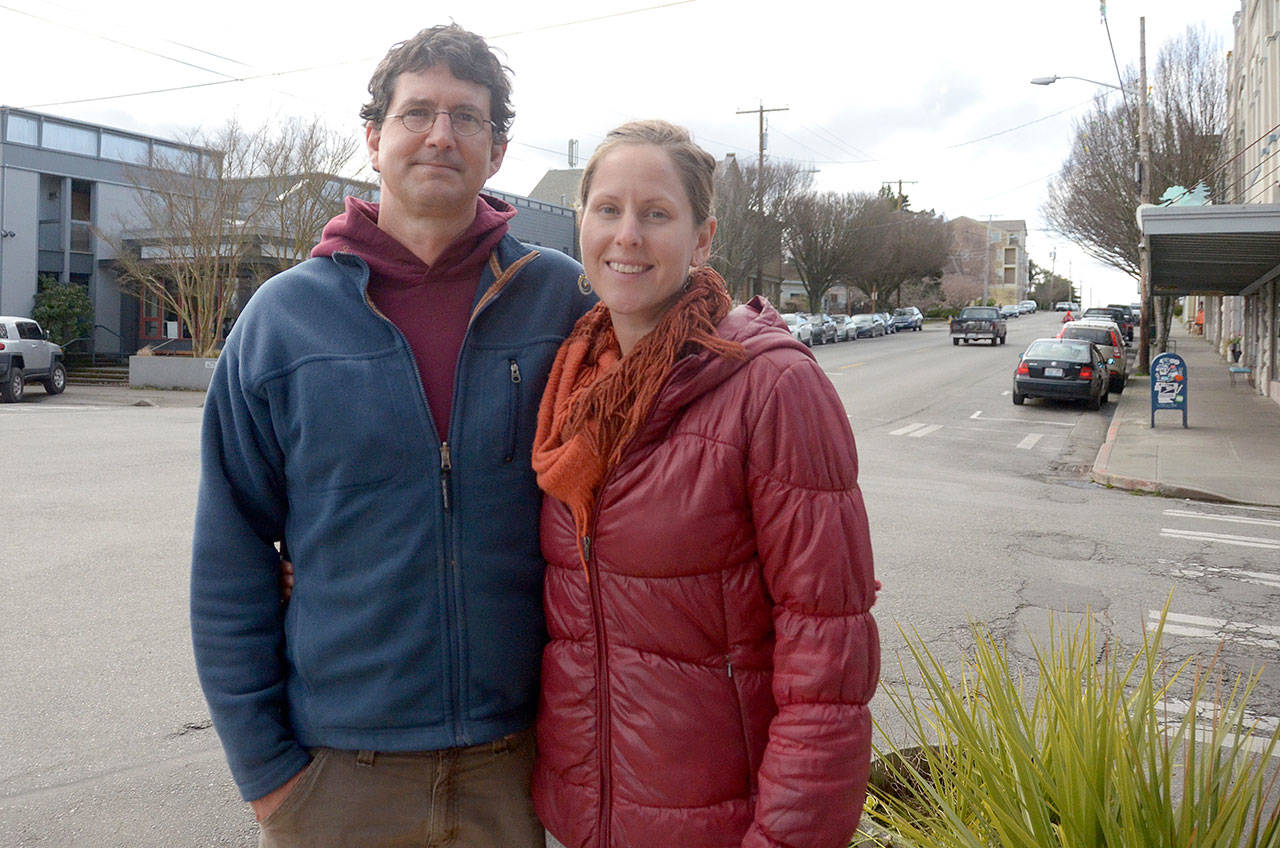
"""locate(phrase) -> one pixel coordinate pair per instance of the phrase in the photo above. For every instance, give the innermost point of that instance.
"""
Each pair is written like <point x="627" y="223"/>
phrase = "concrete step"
<point x="102" y="375"/>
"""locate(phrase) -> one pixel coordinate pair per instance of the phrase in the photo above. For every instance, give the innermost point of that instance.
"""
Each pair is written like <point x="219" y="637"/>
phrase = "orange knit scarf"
<point x="596" y="400"/>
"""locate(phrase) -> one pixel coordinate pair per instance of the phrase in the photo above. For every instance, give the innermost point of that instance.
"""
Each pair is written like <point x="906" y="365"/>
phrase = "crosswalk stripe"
<point x="1234" y="519"/>
<point x="1030" y="441"/>
<point x="902" y="431"/>
<point x="1222" y="538"/>
<point x="925" y="431"/>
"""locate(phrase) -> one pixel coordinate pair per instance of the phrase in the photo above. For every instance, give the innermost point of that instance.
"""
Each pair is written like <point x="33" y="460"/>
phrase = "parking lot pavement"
<point x="78" y="395"/>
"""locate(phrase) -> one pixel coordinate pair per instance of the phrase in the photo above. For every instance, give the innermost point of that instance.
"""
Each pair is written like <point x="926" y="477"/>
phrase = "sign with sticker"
<point x="1169" y="385"/>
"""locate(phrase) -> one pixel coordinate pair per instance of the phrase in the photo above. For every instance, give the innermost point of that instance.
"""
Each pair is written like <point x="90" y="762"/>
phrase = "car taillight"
<point x="1023" y="369"/>
<point x="1086" y="373"/>
<point x="1" y="345"/>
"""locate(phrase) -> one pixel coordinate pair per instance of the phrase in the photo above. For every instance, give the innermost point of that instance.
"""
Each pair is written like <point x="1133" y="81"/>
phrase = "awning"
<point x="1211" y="250"/>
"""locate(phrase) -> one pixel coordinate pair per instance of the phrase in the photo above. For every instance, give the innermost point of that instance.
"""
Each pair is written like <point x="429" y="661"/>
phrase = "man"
<point x="374" y="408"/>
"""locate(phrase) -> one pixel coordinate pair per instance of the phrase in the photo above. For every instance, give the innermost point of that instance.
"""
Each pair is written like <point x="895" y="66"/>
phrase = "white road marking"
<point x="918" y="434"/>
<point x="1260" y="578"/>
<point x="902" y="431"/>
<point x="1235" y="519"/>
<point x="1220" y="538"/>
<point x="1217" y="629"/>
<point x="978" y="416"/>
<point x="1205" y="714"/>
<point x="1030" y="441"/>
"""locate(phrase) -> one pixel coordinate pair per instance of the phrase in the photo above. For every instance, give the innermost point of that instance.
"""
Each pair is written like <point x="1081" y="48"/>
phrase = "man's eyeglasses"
<point x="464" y="121"/>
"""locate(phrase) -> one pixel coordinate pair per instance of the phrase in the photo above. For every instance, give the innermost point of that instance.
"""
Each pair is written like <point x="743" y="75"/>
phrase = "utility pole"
<point x="760" y="110"/>
<point x="1144" y="177"/>
<point x="899" y="184"/>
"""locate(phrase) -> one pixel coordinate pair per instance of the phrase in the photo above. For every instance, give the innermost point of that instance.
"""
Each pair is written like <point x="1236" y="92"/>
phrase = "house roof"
<point x="1226" y="249"/>
<point x="558" y="186"/>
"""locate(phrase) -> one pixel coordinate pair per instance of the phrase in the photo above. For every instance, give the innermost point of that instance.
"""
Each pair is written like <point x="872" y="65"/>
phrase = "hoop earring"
<point x="584" y="285"/>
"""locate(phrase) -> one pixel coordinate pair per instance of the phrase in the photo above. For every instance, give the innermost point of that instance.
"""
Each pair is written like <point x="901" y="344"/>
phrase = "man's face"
<point x="438" y="173"/>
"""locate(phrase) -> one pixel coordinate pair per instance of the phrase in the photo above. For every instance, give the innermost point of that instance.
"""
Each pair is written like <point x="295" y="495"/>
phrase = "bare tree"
<point x="914" y="246"/>
<point x="819" y="238"/>
<point x="218" y="214"/>
<point x="1094" y="197"/>
<point x="744" y="238"/>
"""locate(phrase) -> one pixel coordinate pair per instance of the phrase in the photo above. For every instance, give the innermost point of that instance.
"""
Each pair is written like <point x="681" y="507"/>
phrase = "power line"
<point x="1019" y="126"/>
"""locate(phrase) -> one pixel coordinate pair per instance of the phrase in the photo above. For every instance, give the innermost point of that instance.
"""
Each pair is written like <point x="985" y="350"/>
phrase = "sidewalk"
<point x="1229" y="452"/>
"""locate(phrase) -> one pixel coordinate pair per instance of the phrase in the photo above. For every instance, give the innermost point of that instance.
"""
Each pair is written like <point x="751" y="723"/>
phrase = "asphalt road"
<point x="979" y="513"/>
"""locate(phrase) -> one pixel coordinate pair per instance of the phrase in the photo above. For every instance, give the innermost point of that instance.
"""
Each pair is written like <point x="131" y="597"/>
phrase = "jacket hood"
<point x="756" y="325"/>
<point x="356" y="231"/>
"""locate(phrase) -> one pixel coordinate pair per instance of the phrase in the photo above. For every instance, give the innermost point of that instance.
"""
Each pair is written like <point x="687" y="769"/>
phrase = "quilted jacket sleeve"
<point x="812" y="535"/>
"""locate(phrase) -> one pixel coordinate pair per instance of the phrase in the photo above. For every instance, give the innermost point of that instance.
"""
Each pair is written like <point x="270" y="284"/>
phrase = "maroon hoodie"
<point x="430" y="304"/>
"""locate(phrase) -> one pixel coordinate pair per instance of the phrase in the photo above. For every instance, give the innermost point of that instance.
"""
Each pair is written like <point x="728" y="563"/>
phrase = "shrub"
<point x="64" y="309"/>
<point x="1095" y="758"/>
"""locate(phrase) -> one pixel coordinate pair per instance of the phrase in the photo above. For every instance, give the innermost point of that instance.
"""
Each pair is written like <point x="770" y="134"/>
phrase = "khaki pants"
<point x="474" y="797"/>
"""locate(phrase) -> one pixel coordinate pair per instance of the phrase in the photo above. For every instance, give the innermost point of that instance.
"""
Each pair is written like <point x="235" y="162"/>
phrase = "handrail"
<point x="93" y="348"/>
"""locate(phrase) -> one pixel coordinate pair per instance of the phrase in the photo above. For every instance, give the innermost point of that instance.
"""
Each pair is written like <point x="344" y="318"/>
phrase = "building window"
<point x="122" y="148"/>
<point x="1011" y="256"/>
<point x="71" y="139"/>
<point x="22" y="130"/>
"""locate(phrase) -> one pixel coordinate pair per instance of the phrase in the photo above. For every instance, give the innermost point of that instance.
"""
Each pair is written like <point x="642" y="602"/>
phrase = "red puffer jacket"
<point x="707" y="685"/>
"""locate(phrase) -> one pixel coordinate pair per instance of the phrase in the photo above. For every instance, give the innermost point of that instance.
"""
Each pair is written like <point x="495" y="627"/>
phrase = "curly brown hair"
<point x="469" y="58"/>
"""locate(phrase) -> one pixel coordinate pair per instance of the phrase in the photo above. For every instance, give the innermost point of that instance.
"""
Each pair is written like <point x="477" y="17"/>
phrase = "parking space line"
<point x="918" y="434"/>
<point x="1205" y="715"/>
<point x="1217" y="629"/>
<point x="1220" y="538"/>
<point x="1030" y="441"/>
<point x="979" y="417"/>
<point x="902" y="431"/>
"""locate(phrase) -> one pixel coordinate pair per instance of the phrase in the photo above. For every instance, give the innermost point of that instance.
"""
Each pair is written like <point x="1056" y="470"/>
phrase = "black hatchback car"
<point x="1064" y="369"/>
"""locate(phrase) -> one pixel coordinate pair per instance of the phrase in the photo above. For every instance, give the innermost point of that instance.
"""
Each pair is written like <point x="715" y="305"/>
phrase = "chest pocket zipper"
<point x="513" y="410"/>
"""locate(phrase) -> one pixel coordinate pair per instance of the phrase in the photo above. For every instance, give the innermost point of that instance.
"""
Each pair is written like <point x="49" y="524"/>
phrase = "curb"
<point x="1100" y="475"/>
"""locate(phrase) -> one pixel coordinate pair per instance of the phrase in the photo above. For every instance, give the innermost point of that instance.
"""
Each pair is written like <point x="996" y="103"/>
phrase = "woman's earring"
<point x="584" y="285"/>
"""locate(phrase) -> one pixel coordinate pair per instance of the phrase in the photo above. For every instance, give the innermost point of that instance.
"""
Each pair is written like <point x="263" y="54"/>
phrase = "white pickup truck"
<point x="27" y="355"/>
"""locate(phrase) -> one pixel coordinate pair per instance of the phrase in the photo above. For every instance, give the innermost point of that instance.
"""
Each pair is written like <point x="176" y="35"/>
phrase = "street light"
<point x="1144" y="177"/>
<point x="1051" y="80"/>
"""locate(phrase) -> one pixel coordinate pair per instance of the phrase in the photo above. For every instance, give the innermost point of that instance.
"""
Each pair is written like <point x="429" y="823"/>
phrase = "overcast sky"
<point x="934" y="92"/>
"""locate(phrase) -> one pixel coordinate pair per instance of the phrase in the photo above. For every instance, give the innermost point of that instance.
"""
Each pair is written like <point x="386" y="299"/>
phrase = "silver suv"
<point x="27" y="355"/>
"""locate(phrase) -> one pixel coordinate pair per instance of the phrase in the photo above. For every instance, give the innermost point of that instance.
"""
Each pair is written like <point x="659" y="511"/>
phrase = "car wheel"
<point x="1018" y="398"/>
<point x="1094" y="403"/>
<point x="11" y="390"/>
<point x="57" y="380"/>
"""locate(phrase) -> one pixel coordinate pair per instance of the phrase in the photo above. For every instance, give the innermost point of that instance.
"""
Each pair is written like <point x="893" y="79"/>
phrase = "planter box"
<point x="170" y="372"/>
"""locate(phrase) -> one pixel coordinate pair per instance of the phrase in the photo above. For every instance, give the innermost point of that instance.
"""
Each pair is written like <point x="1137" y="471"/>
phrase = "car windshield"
<point x="1058" y="349"/>
<point x="905" y="313"/>
<point x="791" y="319"/>
<point x="1097" y="335"/>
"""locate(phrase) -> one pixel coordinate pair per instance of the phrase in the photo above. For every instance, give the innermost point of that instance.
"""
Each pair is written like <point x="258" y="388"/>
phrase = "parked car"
<point x="884" y="321"/>
<point x="1121" y="316"/>
<point x="1063" y="369"/>
<point x="979" y="322"/>
<point x="800" y="328"/>
<point x="907" y="318"/>
<point x="1010" y="310"/>
<point x="866" y="326"/>
<point x="1066" y="306"/>
<point x="1027" y="306"/>
<point x="1130" y="321"/>
<point x="1106" y="335"/>
<point x="27" y="356"/>
<point x="844" y="327"/>
<point x="824" y="328"/>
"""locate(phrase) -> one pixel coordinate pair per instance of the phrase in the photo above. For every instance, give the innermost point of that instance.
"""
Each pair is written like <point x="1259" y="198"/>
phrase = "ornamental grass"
<point x="1100" y="753"/>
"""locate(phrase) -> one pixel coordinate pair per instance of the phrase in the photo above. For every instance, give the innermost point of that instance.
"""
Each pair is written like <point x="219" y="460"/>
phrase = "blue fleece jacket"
<point x="416" y="617"/>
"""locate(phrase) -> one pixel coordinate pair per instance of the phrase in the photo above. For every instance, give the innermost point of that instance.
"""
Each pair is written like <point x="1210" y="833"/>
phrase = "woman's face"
<point x="639" y="238"/>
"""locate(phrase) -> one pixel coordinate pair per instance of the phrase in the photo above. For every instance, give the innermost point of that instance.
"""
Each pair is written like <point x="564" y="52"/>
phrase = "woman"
<point x="709" y="573"/>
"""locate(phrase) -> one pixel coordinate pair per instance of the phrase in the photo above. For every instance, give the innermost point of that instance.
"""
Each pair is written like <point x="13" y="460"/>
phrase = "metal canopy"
<point x="1211" y="250"/>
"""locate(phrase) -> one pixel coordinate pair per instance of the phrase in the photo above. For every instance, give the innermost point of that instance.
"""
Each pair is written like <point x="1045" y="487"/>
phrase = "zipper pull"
<point x="446" y="465"/>
<point x="515" y="371"/>
<point x="729" y="664"/>
<point x="586" y="547"/>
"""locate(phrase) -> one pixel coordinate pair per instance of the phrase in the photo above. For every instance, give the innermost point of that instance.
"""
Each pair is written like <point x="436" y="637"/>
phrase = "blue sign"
<point x="1169" y="385"/>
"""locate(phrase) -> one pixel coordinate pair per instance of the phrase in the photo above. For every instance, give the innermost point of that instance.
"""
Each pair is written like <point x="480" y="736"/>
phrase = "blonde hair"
<point x="697" y="167"/>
